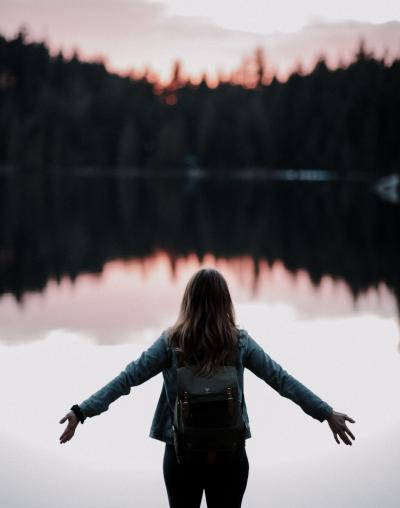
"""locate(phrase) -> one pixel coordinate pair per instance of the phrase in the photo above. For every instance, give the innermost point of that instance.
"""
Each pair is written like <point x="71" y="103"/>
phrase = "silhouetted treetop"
<point x="56" y="111"/>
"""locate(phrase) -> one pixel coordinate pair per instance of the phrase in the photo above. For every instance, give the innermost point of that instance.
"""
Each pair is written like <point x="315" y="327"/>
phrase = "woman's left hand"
<point x="337" y="423"/>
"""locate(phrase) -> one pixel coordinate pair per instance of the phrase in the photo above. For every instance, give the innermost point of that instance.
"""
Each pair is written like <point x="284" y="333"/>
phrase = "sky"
<point x="211" y="36"/>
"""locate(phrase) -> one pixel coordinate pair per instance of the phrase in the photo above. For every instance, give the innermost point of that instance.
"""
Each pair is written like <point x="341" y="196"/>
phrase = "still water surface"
<point x="67" y="328"/>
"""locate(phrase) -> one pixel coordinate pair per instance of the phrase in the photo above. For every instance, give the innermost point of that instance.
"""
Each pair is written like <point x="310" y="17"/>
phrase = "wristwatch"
<point x="77" y="410"/>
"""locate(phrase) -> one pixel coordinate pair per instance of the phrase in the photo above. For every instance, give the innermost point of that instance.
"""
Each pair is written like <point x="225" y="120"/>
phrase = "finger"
<point x="66" y="437"/>
<point x="63" y="419"/>
<point x="336" y="438"/>
<point x="349" y="432"/>
<point x="68" y="432"/>
<point x="345" y="439"/>
<point x="71" y="431"/>
<point x="350" y="419"/>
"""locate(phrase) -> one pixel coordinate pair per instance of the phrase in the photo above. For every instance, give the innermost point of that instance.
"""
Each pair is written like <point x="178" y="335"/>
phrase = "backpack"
<point x="208" y="425"/>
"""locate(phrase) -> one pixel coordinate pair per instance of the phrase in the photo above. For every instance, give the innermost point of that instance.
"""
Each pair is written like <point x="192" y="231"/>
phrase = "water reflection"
<point x="60" y="227"/>
<point x="137" y="296"/>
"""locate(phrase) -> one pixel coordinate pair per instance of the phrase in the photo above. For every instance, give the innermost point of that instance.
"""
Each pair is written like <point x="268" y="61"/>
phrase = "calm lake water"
<point x="93" y="269"/>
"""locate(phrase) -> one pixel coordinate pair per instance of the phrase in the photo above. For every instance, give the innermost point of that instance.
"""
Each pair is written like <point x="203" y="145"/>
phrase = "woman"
<point x="205" y="334"/>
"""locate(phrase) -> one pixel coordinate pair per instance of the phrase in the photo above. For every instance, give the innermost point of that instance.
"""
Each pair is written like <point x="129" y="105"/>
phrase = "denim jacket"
<point x="161" y="357"/>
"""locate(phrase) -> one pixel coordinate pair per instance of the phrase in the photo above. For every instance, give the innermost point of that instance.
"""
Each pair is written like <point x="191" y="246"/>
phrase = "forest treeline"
<point x="63" y="112"/>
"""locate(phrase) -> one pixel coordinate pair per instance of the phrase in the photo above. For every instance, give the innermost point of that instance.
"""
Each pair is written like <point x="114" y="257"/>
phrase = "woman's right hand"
<point x="70" y="430"/>
<point x="338" y="426"/>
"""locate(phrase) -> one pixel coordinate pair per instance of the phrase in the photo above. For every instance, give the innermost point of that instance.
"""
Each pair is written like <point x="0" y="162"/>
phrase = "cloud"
<point x="135" y="34"/>
<point x="341" y="39"/>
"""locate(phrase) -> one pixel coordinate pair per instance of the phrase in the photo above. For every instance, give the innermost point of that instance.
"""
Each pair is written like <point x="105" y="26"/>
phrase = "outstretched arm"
<point x="150" y="363"/>
<point x="263" y="366"/>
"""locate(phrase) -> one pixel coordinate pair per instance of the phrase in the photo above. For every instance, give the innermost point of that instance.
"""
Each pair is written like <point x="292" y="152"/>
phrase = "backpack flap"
<point x="207" y="388"/>
<point x="207" y="414"/>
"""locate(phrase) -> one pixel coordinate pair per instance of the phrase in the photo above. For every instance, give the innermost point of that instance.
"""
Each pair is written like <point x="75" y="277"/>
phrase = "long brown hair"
<point x="205" y="333"/>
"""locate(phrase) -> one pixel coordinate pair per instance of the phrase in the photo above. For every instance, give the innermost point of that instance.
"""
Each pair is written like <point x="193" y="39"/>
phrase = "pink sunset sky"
<point x="210" y="36"/>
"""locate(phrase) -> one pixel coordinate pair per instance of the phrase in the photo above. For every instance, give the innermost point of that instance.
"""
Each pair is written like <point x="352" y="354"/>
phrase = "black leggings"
<point x="224" y="484"/>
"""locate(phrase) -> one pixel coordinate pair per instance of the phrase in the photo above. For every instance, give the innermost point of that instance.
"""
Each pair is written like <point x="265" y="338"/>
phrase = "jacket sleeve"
<point x="149" y="364"/>
<point x="263" y="366"/>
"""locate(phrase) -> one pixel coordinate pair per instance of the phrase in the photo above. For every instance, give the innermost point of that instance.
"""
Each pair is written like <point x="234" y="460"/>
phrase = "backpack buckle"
<point x="185" y="404"/>
<point x="230" y="399"/>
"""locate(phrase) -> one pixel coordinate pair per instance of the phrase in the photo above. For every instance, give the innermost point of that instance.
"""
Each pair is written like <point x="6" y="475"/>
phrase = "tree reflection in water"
<point x="66" y="225"/>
